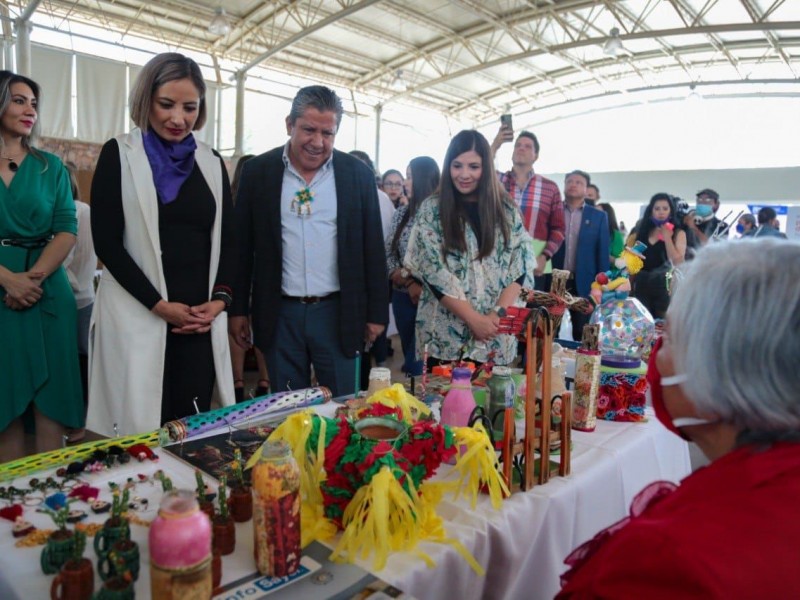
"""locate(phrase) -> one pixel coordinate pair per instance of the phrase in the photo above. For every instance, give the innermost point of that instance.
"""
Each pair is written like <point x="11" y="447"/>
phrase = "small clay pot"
<point x="114" y="530"/>
<point x="127" y="551"/>
<point x="208" y="508"/>
<point x="116" y="588"/>
<point x="224" y="535"/>
<point x="58" y="550"/>
<point x="240" y="504"/>
<point x="380" y="428"/>
<point x="75" y="581"/>
<point x="216" y="569"/>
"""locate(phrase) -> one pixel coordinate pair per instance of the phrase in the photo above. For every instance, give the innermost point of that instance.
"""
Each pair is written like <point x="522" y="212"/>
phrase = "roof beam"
<point x="322" y="23"/>
<point x="476" y="31"/>
<point x="771" y="26"/>
<point x="752" y="10"/>
<point x="644" y="56"/>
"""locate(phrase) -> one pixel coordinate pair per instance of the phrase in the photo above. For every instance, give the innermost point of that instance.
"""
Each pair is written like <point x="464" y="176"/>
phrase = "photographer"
<point x="702" y="221"/>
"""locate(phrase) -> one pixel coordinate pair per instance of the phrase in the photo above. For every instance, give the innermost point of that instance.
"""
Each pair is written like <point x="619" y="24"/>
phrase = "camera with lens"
<point x="682" y="208"/>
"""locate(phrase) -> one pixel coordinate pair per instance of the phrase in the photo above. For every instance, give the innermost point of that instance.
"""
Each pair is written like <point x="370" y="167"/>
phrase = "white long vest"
<point x="127" y="342"/>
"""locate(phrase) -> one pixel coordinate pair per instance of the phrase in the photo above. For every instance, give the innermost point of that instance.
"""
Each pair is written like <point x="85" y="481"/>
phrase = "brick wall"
<point x="84" y="155"/>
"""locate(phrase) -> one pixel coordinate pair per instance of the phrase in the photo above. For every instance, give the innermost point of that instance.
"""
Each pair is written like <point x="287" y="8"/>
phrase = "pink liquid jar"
<point x="180" y="549"/>
<point x="459" y="402"/>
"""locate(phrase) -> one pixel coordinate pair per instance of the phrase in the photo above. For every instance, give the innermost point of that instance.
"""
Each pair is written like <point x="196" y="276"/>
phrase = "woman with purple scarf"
<point x="162" y="226"/>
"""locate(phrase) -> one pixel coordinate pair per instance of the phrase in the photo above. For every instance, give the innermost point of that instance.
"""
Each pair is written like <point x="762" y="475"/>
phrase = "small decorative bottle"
<point x="379" y="378"/>
<point x="276" y="510"/>
<point x="459" y="402"/>
<point x="180" y="549"/>
<point x="502" y="390"/>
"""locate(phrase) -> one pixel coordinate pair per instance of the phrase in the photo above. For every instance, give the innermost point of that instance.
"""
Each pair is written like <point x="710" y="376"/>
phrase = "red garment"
<point x="730" y="530"/>
<point x="541" y="207"/>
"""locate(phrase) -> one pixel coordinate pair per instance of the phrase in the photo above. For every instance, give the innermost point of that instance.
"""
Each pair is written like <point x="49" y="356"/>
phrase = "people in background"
<point x="392" y="184"/>
<point x="379" y="351"/>
<point x="40" y="382"/>
<point x="470" y="248"/>
<point x="666" y="248"/>
<point x="385" y="202"/>
<point x="81" y="265"/>
<point x="537" y="197"/>
<point x="312" y="251"/>
<point x="768" y="225"/>
<point x="616" y="237"/>
<point x="585" y="250"/>
<point x="746" y="225"/>
<point x="702" y="222"/>
<point x="717" y="379"/>
<point x="238" y="354"/>
<point x="422" y="180"/>
<point x="162" y="225"/>
<point x="592" y="195"/>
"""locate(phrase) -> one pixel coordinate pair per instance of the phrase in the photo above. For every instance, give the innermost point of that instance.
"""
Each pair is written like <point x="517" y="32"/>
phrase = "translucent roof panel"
<point x="468" y="59"/>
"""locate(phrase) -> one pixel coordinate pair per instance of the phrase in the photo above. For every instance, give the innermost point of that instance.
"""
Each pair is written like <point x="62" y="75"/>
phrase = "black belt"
<point x="27" y="243"/>
<point x="311" y="299"/>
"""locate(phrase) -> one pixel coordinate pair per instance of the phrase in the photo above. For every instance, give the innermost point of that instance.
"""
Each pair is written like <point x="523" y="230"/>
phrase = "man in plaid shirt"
<point x="537" y="197"/>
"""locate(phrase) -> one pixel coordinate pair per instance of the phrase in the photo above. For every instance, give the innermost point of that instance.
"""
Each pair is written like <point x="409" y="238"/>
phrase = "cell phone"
<point x="506" y="120"/>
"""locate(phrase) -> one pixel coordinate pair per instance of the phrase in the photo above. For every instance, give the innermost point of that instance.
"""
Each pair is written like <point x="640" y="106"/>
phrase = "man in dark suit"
<point x="585" y="250"/>
<point x="312" y="253"/>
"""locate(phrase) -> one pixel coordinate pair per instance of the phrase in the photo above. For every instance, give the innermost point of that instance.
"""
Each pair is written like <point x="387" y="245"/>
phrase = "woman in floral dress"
<point x="473" y="254"/>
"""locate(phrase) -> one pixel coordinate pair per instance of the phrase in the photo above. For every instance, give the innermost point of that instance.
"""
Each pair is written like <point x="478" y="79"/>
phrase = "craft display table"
<point x="522" y="546"/>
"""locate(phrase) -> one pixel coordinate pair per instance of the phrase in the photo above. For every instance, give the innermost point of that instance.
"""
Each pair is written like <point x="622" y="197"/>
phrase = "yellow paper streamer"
<point x="295" y="430"/>
<point x="314" y="525"/>
<point x="478" y="466"/>
<point x="380" y="519"/>
<point x="396" y="396"/>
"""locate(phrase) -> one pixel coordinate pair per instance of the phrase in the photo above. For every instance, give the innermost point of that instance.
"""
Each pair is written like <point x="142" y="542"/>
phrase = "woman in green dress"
<point x="39" y="376"/>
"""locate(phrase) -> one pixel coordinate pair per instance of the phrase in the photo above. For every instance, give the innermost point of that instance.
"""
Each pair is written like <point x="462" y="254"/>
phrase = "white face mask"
<point x="684" y="421"/>
<point x="689" y="421"/>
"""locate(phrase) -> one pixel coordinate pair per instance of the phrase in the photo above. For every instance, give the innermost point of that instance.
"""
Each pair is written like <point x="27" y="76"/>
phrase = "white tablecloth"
<point x="522" y="546"/>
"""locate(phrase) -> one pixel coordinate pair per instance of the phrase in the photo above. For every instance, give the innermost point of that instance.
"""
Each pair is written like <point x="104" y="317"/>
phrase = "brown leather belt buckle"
<point x="310" y="299"/>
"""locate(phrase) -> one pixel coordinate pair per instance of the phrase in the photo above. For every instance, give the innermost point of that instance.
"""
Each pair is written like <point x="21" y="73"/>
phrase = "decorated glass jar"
<point x="502" y="390"/>
<point x="276" y="510"/>
<point x="459" y="402"/>
<point x="626" y="332"/>
<point x="180" y="549"/>
<point x="379" y="378"/>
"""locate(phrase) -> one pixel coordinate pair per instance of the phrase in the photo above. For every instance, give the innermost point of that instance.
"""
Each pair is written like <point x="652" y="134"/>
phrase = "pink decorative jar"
<point x="180" y="549"/>
<point x="459" y="402"/>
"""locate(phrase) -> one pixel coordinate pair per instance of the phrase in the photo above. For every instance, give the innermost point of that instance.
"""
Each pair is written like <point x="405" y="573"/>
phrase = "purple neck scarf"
<point x="171" y="163"/>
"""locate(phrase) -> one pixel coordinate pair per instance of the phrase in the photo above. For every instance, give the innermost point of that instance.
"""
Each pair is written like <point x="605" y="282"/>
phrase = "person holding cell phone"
<point x="537" y="197"/>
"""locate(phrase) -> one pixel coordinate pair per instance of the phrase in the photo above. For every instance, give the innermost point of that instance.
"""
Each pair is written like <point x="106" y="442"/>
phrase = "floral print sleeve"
<point x="392" y="259"/>
<point x="461" y="276"/>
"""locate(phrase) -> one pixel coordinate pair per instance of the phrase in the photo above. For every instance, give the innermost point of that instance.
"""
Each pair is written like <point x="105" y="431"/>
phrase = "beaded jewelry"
<point x="302" y="201"/>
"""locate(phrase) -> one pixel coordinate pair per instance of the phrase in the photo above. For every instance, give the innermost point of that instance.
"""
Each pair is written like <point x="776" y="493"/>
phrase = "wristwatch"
<point x="500" y="311"/>
<point x="405" y="273"/>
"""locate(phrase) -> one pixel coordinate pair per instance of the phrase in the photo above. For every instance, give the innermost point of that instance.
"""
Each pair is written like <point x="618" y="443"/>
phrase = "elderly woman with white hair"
<point x="726" y="375"/>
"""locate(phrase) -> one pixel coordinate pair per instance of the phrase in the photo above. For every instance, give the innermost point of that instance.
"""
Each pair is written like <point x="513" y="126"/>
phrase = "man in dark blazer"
<point x="312" y="253"/>
<point x="584" y="252"/>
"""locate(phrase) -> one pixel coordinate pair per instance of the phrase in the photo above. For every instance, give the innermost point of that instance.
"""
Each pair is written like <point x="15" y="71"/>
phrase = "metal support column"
<point x="378" y="113"/>
<point x="23" y="28"/>
<point x="238" y="149"/>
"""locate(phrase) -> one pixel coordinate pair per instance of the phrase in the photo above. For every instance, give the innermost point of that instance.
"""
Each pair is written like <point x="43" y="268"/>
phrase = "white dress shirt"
<point x="81" y="262"/>
<point x="310" y="251"/>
